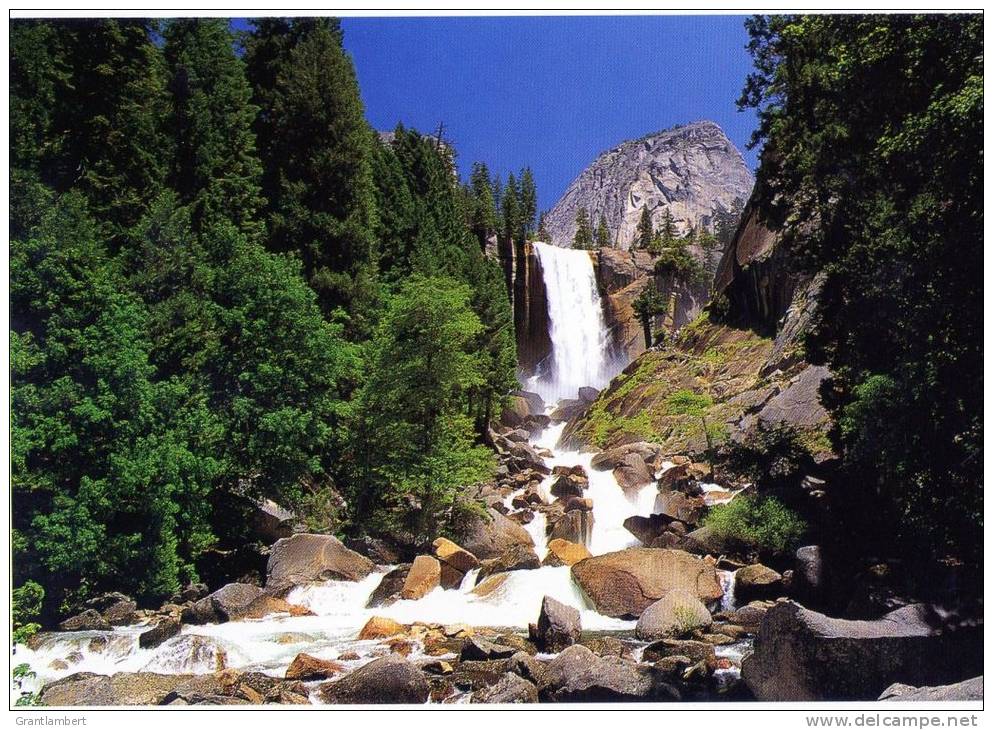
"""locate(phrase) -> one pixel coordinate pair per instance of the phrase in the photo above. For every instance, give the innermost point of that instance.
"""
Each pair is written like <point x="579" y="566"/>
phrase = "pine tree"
<point x="602" y="233"/>
<point x="414" y="441"/>
<point x="647" y="305"/>
<point x="483" y="218"/>
<point x="542" y="234"/>
<point x="217" y="170"/>
<point x="529" y="203"/>
<point x="584" y="231"/>
<point x="317" y="153"/>
<point x="511" y="209"/>
<point x="667" y="228"/>
<point x="645" y="233"/>
<point x="95" y="122"/>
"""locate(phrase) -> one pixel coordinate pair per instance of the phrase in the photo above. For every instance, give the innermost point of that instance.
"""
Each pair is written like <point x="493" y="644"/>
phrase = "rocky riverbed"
<point x="589" y="579"/>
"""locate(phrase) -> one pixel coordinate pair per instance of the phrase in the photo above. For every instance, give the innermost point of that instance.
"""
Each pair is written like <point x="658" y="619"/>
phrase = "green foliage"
<point x="529" y="203"/>
<point x="771" y="456"/>
<point x="764" y="523"/>
<point x="873" y="132"/>
<point x="645" y="233"/>
<point x="482" y="218"/>
<point x="675" y="262"/>
<point x="510" y="210"/>
<point x="413" y="440"/>
<point x="665" y="236"/>
<point x="584" y="230"/>
<point x="542" y="234"/>
<point x="18" y="676"/>
<point x="216" y="170"/>
<point x="602" y="232"/>
<point x="189" y="318"/>
<point x="88" y="105"/>
<point x="316" y="151"/>
<point x="102" y="459"/>
<point x="25" y="606"/>
<point x="647" y="305"/>
<point x="686" y="402"/>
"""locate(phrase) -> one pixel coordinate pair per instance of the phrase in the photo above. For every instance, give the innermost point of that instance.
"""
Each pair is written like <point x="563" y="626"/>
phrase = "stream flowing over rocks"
<point x="589" y="579"/>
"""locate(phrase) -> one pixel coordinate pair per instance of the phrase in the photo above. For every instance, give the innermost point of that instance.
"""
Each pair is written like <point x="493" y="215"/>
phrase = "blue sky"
<point x="550" y="92"/>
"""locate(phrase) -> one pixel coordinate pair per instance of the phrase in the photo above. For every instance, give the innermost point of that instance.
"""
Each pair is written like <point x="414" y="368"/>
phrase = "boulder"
<point x="677" y="613"/>
<point x="577" y="503"/>
<point x="703" y="541"/>
<point x="379" y="627"/>
<point x="476" y="648"/>
<point x="389" y="680"/>
<point x="751" y="615"/>
<point x="515" y="410"/>
<point x="757" y="582"/>
<point x="97" y="690"/>
<point x="424" y="577"/>
<point x="492" y="535"/>
<point x="88" y="620"/>
<point x="491" y="585"/>
<point x="266" y="605"/>
<point x="450" y="577"/>
<point x="510" y="690"/>
<point x="632" y="472"/>
<point x="575" y="526"/>
<point x="536" y="406"/>
<point x="568" y="409"/>
<point x="567" y="486"/>
<point x="571" y="471"/>
<point x="801" y="655"/>
<point x="191" y="593"/>
<point x="810" y="579"/>
<point x="116" y="608"/>
<point x="526" y="666"/>
<point x="588" y="394"/>
<point x="613" y="458"/>
<point x="376" y="549"/>
<point x="674" y="477"/>
<point x="306" y="668"/>
<point x="222" y="604"/>
<point x="625" y="583"/>
<point x="680" y="507"/>
<point x="189" y="654"/>
<point x="458" y="557"/>
<point x="164" y="630"/>
<point x="647" y="529"/>
<point x="305" y="558"/>
<point x="563" y="552"/>
<point x="967" y="690"/>
<point x="558" y="626"/>
<point x="579" y="675"/>
<point x="526" y="457"/>
<point x="518" y="557"/>
<point x="695" y="651"/>
<point x="388" y="590"/>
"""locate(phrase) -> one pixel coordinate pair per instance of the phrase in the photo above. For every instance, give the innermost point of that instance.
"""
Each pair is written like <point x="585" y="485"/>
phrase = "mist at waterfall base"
<point x="581" y="357"/>
<point x="582" y="354"/>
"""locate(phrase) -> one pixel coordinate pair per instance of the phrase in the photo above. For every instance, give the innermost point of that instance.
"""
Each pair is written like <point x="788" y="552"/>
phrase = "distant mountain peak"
<point x="692" y="169"/>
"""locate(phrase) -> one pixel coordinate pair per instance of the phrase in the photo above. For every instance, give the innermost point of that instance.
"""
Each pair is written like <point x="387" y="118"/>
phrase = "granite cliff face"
<point x="693" y="170"/>
<point x="749" y="362"/>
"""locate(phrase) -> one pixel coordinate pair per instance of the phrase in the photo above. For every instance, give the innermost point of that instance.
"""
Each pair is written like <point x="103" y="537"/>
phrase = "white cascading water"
<point x="580" y="358"/>
<point x="580" y="343"/>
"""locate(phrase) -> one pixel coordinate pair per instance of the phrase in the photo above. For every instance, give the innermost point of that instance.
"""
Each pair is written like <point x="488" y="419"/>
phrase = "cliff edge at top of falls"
<point x="692" y="170"/>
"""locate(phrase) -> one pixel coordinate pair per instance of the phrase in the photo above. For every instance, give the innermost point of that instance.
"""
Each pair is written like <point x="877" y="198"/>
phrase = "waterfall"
<point x="580" y="344"/>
